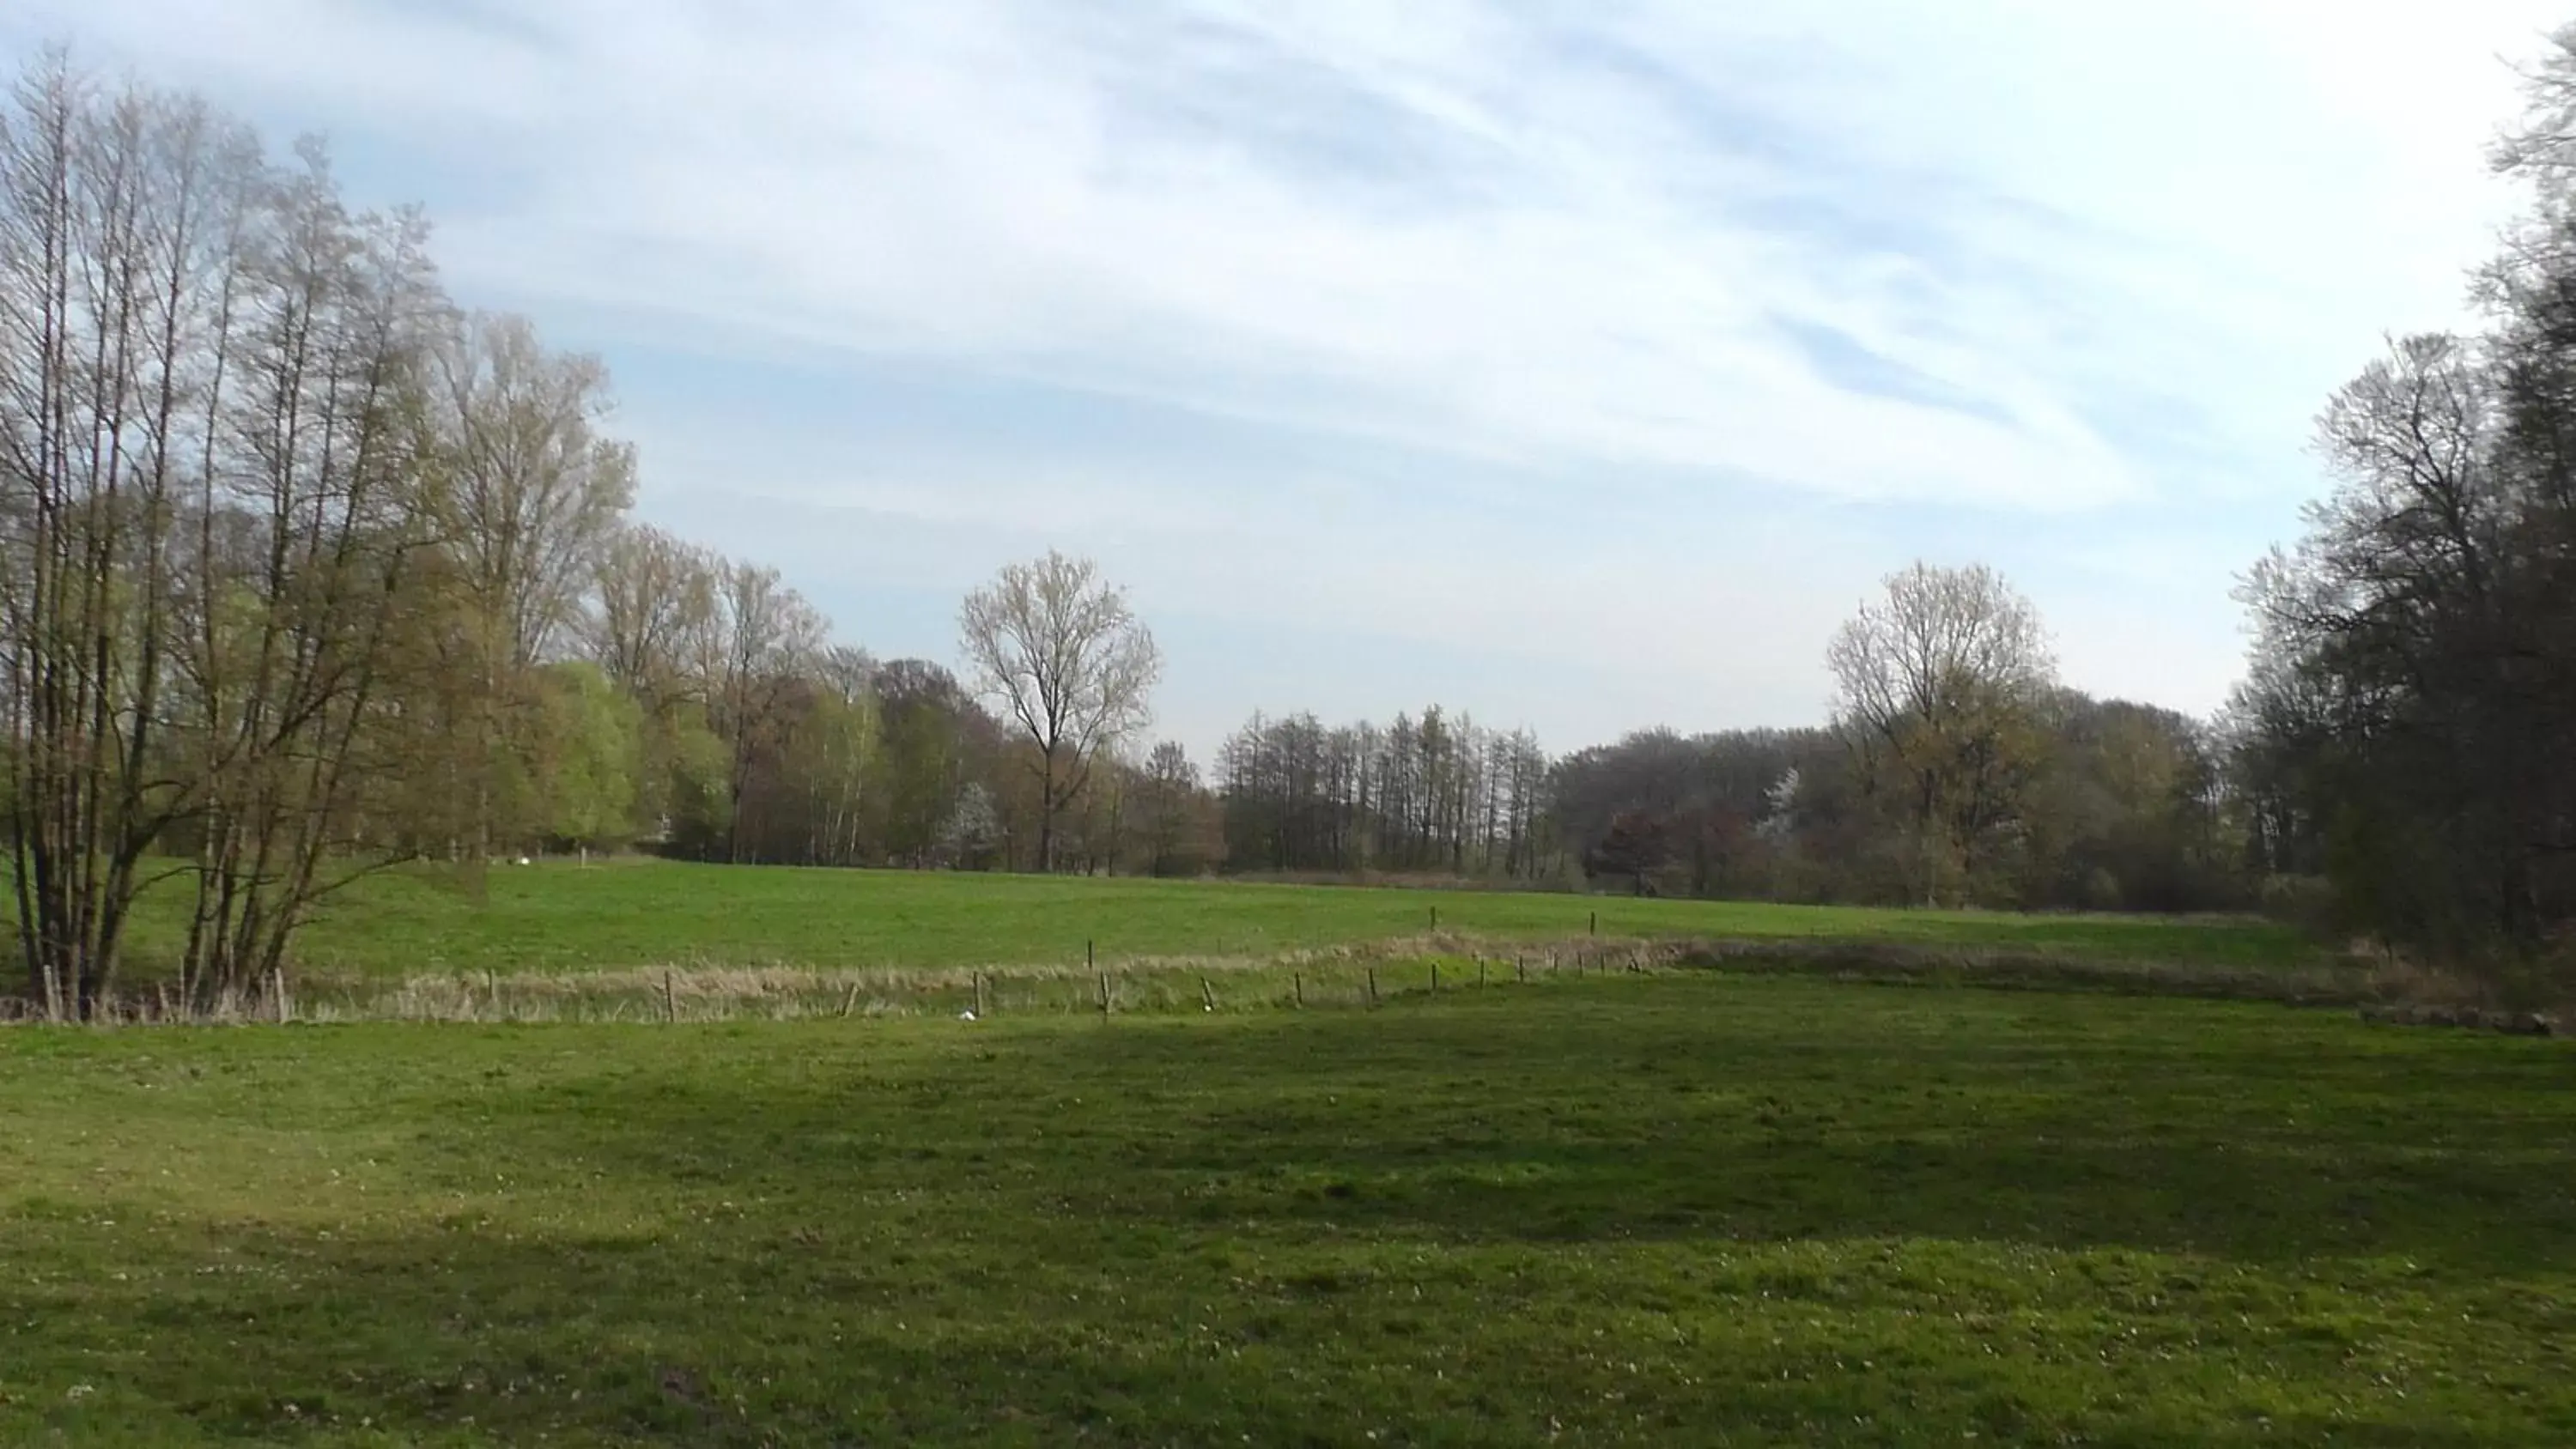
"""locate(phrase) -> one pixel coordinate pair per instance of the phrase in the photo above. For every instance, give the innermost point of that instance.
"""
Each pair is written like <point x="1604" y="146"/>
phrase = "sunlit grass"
<point x="1683" y="1208"/>
<point x="565" y="917"/>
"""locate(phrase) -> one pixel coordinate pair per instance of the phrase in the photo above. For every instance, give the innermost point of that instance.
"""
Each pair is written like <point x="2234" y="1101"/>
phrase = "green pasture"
<point x="1677" y="1208"/>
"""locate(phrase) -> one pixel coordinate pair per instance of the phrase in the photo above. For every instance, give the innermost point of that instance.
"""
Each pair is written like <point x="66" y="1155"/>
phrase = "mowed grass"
<point x="1677" y="1209"/>
<point x="565" y="917"/>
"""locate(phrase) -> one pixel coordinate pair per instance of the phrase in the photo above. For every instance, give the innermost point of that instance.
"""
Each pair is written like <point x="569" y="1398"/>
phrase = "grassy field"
<point x="1684" y="1208"/>
<point x="562" y="917"/>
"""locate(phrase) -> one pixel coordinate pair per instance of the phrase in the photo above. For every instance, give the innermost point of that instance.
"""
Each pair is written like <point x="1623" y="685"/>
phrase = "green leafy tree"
<point x="592" y="755"/>
<point x="697" y="773"/>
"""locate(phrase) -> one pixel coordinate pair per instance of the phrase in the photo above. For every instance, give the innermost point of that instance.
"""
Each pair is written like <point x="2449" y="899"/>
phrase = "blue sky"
<point x="1578" y="365"/>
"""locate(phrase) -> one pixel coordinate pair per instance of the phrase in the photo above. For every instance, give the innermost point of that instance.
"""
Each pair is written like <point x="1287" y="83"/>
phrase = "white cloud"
<point x="981" y="179"/>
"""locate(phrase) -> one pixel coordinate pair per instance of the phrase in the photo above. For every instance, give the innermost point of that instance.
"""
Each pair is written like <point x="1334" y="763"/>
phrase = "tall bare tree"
<point x="764" y="638"/>
<point x="120" y="243"/>
<point x="1061" y="652"/>
<point x="531" y="493"/>
<point x="215" y="437"/>
<point x="304" y="574"/>
<point x="653" y="597"/>
<point x="527" y="496"/>
<point x="1936" y="684"/>
<point x="652" y="592"/>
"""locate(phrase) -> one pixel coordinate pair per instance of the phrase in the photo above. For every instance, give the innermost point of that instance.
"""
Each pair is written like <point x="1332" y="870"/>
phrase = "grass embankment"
<point x="561" y="917"/>
<point x="1690" y="1208"/>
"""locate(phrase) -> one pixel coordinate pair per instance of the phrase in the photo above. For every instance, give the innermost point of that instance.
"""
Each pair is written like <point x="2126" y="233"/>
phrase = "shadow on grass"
<point x="1625" y="1210"/>
<point x="470" y="1339"/>
<point x="1628" y="1111"/>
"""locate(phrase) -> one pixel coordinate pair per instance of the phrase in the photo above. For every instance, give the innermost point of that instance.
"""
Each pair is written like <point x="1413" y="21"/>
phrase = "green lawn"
<point x="1688" y="1208"/>
<point x="562" y="917"/>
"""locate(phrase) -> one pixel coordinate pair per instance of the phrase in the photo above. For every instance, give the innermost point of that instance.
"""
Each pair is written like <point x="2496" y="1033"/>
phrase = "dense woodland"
<point x="306" y="571"/>
<point x="2407" y="728"/>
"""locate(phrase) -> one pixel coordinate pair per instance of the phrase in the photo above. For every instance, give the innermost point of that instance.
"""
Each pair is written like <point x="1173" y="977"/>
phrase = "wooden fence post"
<point x="277" y="988"/>
<point x="1372" y="983"/>
<point x="1520" y="969"/>
<point x="1435" y="978"/>
<point x="1297" y="980"/>
<point x="1594" y="929"/>
<point x="1480" y="973"/>
<point x="850" y="1002"/>
<point x="1104" y="995"/>
<point x="670" y="998"/>
<point x="1207" y="993"/>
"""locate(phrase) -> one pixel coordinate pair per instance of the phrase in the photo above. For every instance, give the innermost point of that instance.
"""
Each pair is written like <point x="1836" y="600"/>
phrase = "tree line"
<point x="2398" y="762"/>
<point x="1435" y="795"/>
<point x="305" y="571"/>
<point x="1956" y="770"/>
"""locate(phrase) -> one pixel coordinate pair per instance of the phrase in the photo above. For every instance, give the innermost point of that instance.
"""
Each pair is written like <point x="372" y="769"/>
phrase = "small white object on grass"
<point x="965" y="1016"/>
<point x="523" y="860"/>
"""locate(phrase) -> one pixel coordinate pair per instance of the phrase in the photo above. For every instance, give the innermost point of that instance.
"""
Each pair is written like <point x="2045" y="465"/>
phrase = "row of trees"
<point x="1956" y="770"/>
<point x="304" y="570"/>
<point x="1436" y="795"/>
<point x="232" y="438"/>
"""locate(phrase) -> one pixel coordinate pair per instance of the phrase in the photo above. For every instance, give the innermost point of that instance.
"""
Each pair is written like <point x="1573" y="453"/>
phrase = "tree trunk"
<point x="1047" y="805"/>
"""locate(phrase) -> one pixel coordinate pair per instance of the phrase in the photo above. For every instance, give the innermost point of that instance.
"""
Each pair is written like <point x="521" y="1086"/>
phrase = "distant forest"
<point x="305" y="570"/>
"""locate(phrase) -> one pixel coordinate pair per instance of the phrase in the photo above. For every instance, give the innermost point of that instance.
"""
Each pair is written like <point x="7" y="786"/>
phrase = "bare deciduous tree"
<point x="207" y="390"/>
<point x="113" y="247"/>
<point x="1936" y="684"/>
<point x="766" y="636"/>
<point x="525" y="496"/>
<point x="306" y="575"/>
<point x="530" y="494"/>
<point x="2417" y="638"/>
<point x="653" y="593"/>
<point x="1059" y="649"/>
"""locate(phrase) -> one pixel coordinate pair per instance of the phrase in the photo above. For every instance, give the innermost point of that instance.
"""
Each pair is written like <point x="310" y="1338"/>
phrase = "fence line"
<point x="1358" y="976"/>
<point x="685" y="994"/>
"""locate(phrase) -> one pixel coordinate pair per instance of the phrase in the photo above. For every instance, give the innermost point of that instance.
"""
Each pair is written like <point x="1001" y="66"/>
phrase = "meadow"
<point x="560" y="917"/>
<point x="1689" y="1206"/>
